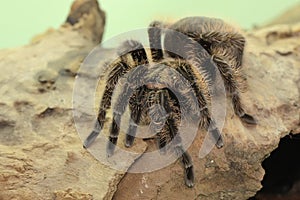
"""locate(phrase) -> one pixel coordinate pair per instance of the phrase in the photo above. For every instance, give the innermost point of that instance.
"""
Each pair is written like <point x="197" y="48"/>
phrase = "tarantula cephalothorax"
<point x="221" y="44"/>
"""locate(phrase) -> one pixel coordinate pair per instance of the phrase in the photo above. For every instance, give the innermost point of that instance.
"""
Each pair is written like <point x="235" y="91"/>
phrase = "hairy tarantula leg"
<point x="188" y="166"/>
<point x="114" y="133"/>
<point x="229" y="39"/>
<point x="119" y="69"/>
<point x="135" y="78"/>
<point x="137" y="51"/>
<point x="225" y="37"/>
<point x="130" y="135"/>
<point x="206" y="122"/>
<point x="120" y="107"/>
<point x="154" y="33"/>
<point x="171" y="124"/>
<point x="136" y="111"/>
<point x="121" y="104"/>
<point x="163" y="135"/>
<point x="215" y="133"/>
<point x="185" y="157"/>
<point x="164" y="101"/>
<point x="158" y="117"/>
<point x="91" y="138"/>
<point x="232" y="86"/>
<point x="162" y="141"/>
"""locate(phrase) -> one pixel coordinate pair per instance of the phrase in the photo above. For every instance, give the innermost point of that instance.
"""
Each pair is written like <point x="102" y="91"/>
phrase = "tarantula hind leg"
<point x="245" y="118"/>
<point x="231" y="84"/>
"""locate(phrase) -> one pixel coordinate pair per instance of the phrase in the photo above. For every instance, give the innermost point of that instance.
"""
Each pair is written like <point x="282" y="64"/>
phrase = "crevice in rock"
<point x="282" y="167"/>
<point x="7" y="135"/>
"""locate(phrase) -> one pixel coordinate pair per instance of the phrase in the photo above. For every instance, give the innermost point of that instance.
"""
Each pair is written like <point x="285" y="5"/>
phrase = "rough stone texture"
<point x="41" y="155"/>
<point x="88" y="19"/>
<point x="272" y="66"/>
<point x="290" y="16"/>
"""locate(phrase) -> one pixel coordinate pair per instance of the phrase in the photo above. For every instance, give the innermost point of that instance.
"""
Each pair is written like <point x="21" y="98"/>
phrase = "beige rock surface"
<point x="290" y="16"/>
<point x="41" y="155"/>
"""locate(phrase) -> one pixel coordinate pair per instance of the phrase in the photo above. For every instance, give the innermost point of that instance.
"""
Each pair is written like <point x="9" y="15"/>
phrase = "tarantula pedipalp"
<point x="222" y="47"/>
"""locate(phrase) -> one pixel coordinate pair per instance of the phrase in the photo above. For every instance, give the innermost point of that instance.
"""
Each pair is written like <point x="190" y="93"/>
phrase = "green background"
<point x="20" y="20"/>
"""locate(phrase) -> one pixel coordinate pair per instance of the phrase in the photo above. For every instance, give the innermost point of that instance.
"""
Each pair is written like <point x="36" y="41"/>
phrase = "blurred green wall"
<point x="20" y="20"/>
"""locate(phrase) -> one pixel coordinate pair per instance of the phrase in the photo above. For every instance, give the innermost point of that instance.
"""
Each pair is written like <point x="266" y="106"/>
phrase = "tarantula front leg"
<point x="135" y="105"/>
<point x="171" y="127"/>
<point x="232" y="86"/>
<point x="158" y="101"/>
<point x="119" y="68"/>
<point x="185" y="158"/>
<point x="187" y="164"/>
<point x="117" y="114"/>
<point x="154" y="32"/>
<point x="206" y="121"/>
<point x="121" y="104"/>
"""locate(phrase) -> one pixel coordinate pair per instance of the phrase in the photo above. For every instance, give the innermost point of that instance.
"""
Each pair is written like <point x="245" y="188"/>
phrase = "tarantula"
<point x="220" y="44"/>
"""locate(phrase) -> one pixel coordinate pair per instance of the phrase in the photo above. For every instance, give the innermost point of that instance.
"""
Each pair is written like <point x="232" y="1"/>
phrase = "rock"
<point x="69" y="194"/>
<point x="87" y="18"/>
<point x="290" y="16"/>
<point x="41" y="154"/>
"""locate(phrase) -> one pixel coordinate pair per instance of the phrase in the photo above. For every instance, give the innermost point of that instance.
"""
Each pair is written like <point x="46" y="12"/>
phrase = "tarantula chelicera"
<point x="221" y="46"/>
